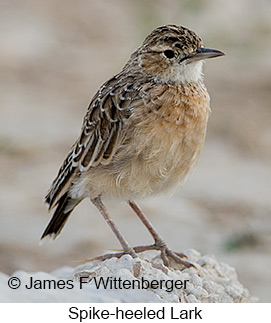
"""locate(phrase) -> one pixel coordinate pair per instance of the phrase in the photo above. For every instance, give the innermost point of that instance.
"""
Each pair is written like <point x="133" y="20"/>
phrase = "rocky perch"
<point x="143" y="279"/>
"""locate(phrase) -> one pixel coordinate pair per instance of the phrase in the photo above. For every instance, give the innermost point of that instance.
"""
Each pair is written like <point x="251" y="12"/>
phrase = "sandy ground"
<point x="54" y="55"/>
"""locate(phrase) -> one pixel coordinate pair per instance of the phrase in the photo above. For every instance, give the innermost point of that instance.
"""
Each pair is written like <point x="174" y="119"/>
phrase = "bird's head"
<point x="173" y="54"/>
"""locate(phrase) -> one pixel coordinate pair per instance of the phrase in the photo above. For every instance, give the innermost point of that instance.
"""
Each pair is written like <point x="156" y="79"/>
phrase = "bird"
<point x="142" y="135"/>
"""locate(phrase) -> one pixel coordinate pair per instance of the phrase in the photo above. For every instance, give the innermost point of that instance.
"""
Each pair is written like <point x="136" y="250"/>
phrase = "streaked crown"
<point x="182" y="39"/>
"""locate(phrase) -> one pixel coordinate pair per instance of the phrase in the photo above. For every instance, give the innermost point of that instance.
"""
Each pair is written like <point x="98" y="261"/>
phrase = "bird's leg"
<point x="159" y="243"/>
<point x="127" y="249"/>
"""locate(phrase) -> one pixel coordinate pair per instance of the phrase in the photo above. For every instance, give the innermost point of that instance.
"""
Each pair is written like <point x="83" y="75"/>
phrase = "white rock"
<point x="151" y="281"/>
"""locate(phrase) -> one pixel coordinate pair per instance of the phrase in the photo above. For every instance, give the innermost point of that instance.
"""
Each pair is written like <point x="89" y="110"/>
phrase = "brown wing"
<point x="102" y="132"/>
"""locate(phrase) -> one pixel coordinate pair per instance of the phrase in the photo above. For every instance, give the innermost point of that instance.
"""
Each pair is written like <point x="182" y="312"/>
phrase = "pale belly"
<point x="164" y="163"/>
<point x="157" y="164"/>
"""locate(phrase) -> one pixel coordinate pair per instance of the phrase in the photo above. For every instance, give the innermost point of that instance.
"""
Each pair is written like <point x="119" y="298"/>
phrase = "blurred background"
<point x="54" y="55"/>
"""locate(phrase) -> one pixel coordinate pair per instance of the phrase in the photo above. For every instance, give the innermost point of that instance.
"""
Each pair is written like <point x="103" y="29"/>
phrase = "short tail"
<point x="65" y="206"/>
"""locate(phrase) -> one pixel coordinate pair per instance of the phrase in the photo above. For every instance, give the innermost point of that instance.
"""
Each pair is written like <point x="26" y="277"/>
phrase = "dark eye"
<point x="169" y="53"/>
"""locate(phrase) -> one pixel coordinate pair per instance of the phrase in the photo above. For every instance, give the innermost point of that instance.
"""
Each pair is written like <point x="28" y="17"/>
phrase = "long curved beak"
<point x="204" y="53"/>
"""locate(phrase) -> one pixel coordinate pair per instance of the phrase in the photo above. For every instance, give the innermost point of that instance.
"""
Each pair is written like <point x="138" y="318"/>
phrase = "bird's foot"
<point x="167" y="255"/>
<point x="109" y="255"/>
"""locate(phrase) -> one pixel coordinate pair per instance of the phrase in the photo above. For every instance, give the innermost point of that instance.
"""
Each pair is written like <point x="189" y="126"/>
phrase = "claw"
<point x="109" y="256"/>
<point x="177" y="258"/>
<point x="180" y="254"/>
<point x="112" y="252"/>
